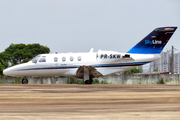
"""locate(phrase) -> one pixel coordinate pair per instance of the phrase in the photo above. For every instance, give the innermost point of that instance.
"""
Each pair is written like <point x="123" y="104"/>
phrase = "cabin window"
<point x="79" y="58"/>
<point x="55" y="59"/>
<point x="71" y="58"/>
<point x="35" y="59"/>
<point x="63" y="59"/>
<point x="43" y="59"/>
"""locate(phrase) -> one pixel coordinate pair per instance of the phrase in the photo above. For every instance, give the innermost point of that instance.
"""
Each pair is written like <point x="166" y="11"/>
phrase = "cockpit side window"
<point x="35" y="59"/>
<point x="43" y="59"/>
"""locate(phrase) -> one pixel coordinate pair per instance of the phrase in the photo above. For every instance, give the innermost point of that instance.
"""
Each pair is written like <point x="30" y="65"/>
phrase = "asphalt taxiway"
<point x="90" y="102"/>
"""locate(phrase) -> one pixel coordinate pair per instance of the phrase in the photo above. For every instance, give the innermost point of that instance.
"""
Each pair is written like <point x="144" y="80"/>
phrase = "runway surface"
<point x="90" y="102"/>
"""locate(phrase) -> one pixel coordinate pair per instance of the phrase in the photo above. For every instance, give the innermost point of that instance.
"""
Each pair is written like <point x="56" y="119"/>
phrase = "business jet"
<point x="94" y="64"/>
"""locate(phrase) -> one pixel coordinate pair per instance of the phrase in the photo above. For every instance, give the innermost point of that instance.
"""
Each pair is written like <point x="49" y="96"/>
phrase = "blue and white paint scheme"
<point x="94" y="64"/>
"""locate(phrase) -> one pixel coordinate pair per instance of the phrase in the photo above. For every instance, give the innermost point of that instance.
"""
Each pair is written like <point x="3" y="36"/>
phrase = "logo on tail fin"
<point x="153" y="42"/>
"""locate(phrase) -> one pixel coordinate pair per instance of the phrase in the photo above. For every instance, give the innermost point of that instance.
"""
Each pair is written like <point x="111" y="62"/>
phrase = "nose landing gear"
<point x="24" y="81"/>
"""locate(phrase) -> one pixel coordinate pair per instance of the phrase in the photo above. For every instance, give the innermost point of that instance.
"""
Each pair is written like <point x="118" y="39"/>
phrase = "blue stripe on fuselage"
<point x="95" y="65"/>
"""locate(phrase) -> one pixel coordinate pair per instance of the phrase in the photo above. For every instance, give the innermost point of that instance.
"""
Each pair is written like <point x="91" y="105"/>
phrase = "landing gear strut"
<point x="24" y="81"/>
<point x="87" y="78"/>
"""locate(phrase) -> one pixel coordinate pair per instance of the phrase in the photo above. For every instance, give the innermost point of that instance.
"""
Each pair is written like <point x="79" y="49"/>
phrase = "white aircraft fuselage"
<point x="55" y="66"/>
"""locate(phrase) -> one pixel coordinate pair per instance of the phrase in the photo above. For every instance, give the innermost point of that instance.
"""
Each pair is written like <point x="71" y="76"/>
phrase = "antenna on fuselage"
<point x="91" y="50"/>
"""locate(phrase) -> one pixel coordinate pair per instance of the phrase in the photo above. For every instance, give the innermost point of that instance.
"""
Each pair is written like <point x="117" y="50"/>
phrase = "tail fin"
<point x="154" y="42"/>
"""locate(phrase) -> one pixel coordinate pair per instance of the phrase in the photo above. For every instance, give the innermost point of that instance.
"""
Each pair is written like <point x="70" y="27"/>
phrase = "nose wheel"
<point x="24" y="81"/>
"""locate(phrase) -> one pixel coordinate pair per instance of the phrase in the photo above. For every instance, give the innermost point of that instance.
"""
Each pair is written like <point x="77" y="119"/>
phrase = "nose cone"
<point x="16" y="70"/>
<point x="7" y="72"/>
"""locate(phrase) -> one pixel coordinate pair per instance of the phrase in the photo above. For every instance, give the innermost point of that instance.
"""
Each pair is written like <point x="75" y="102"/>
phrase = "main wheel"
<point x="89" y="81"/>
<point x="24" y="81"/>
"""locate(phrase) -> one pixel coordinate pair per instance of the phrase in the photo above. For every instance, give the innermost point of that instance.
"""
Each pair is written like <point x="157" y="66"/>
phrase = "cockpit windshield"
<point x="35" y="59"/>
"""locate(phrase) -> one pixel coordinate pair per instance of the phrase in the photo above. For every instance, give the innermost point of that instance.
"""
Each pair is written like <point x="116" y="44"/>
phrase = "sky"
<point x="79" y="25"/>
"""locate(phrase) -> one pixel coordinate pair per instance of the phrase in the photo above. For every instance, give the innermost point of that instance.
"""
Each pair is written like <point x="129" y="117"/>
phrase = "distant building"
<point x="176" y="63"/>
<point x="165" y="61"/>
<point x="164" y="64"/>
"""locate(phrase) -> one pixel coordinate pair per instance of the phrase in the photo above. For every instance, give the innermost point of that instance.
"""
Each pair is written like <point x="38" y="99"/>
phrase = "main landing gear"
<point x="24" y="81"/>
<point x="89" y="81"/>
<point x="87" y="78"/>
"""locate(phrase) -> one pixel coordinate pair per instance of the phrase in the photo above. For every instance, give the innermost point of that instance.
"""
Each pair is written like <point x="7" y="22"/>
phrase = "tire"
<point x="89" y="81"/>
<point x="24" y="81"/>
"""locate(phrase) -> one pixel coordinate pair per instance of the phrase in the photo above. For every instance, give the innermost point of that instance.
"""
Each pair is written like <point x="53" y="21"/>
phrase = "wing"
<point x="92" y="72"/>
